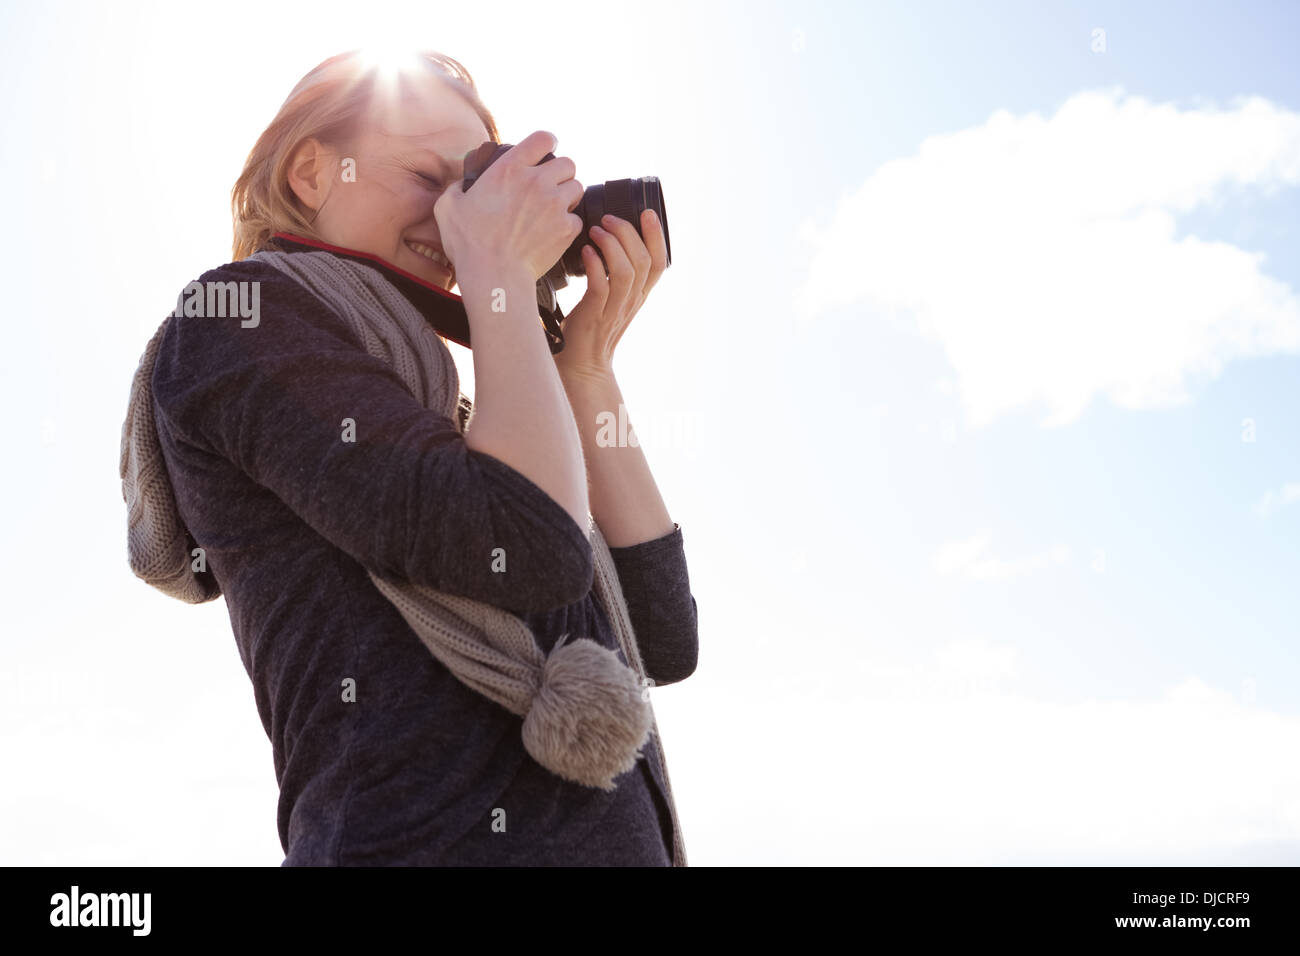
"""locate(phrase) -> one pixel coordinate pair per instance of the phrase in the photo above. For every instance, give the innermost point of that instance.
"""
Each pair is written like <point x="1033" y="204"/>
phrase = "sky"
<point x="972" y="385"/>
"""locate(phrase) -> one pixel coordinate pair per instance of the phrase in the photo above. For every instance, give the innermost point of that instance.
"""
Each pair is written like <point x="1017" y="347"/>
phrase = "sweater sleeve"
<point x="662" y="609"/>
<point x="405" y="497"/>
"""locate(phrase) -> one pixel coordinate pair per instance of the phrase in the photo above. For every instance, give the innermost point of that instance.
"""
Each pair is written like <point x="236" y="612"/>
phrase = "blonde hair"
<point x="331" y="103"/>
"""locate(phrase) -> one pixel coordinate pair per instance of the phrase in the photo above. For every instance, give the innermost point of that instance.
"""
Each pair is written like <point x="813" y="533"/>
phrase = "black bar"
<point x="1032" y="904"/>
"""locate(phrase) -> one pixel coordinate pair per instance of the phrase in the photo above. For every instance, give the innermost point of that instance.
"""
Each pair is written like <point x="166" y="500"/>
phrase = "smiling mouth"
<point x="433" y="255"/>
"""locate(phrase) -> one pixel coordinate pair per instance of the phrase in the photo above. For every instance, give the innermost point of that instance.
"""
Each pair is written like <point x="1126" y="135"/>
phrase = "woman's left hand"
<point x="597" y="322"/>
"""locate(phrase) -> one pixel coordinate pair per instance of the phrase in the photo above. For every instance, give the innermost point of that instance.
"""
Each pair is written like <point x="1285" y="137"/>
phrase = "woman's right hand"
<point x="516" y="214"/>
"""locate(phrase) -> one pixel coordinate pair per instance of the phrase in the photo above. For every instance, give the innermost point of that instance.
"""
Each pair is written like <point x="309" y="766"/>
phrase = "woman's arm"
<point x="521" y="414"/>
<point x="404" y="496"/>
<point x="657" y="590"/>
<point x="644" y="542"/>
<point x="625" y="500"/>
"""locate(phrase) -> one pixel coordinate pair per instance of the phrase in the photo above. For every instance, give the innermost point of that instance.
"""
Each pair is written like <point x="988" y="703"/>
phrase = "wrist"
<point x="479" y="275"/>
<point x="585" y="374"/>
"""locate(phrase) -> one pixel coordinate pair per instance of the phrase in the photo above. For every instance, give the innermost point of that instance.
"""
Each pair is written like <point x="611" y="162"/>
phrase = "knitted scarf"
<point x="586" y="715"/>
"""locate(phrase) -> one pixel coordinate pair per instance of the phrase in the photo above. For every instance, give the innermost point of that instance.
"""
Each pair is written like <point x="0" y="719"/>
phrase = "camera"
<point x="624" y="198"/>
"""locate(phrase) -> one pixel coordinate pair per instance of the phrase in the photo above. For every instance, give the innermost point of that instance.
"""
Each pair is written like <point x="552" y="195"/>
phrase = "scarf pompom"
<point x="588" y="719"/>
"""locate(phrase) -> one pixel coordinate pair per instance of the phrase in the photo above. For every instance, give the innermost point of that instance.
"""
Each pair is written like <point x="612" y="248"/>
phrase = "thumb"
<point x="449" y="198"/>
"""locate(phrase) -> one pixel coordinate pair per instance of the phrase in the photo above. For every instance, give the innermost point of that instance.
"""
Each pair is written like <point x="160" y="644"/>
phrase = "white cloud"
<point x="971" y="557"/>
<point x="1272" y="500"/>
<point x="1041" y="253"/>
<point x="975" y="658"/>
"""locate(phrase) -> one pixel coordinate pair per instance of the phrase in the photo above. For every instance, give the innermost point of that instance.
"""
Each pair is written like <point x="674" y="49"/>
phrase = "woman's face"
<point x="378" y="196"/>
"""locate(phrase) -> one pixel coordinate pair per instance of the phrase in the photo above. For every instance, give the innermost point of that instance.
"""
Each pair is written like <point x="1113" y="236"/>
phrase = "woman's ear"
<point x="311" y="173"/>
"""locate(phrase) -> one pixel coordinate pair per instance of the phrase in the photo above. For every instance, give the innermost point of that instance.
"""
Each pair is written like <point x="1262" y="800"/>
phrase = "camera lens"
<point x="624" y="198"/>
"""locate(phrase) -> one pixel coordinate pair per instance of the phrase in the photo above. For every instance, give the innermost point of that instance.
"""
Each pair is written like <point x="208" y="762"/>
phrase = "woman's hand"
<point x="517" y="212"/>
<point x="597" y="322"/>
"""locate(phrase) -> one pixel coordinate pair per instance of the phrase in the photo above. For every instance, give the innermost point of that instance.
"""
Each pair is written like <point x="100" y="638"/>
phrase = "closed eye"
<point x="429" y="179"/>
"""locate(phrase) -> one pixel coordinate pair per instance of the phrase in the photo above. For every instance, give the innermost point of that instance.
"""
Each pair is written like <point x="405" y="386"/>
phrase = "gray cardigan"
<point x="419" y="770"/>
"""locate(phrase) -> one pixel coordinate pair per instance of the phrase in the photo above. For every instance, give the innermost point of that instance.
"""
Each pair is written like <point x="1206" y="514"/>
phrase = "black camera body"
<point x="624" y="198"/>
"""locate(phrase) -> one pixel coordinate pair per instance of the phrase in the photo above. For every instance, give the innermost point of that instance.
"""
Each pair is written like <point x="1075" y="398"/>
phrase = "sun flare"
<point x="388" y="58"/>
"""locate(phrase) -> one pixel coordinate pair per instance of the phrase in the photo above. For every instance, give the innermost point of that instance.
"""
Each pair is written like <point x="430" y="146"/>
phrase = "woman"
<point x="301" y="463"/>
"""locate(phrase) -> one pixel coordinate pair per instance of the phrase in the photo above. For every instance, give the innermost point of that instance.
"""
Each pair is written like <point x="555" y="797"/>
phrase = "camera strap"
<point x="444" y="310"/>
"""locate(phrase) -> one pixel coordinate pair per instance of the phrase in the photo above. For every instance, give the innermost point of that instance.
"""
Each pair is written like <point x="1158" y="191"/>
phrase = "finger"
<point x="622" y="274"/>
<point x="633" y="246"/>
<point x="597" y="282"/>
<point x="560" y="170"/>
<point x="617" y="264"/>
<point x="573" y="191"/>
<point x="530" y="150"/>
